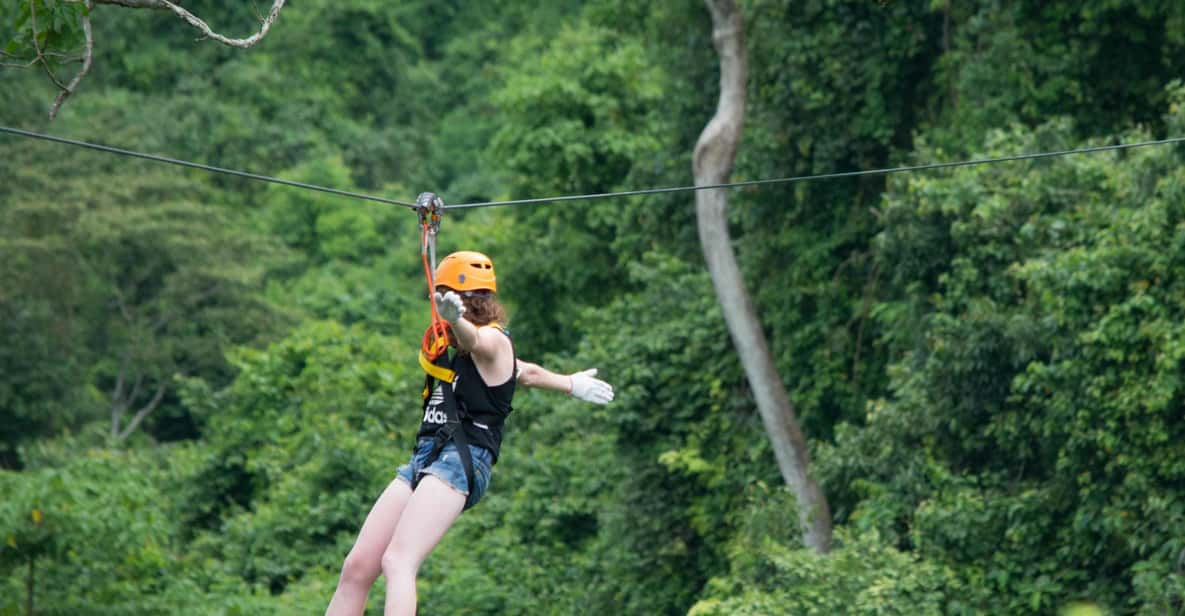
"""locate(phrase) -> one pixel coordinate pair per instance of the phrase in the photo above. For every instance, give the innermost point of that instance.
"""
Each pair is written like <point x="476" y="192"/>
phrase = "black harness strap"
<point x="454" y="431"/>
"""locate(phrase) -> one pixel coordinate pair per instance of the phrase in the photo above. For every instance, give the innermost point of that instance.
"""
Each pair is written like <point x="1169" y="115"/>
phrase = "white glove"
<point x="450" y="306"/>
<point x="590" y="389"/>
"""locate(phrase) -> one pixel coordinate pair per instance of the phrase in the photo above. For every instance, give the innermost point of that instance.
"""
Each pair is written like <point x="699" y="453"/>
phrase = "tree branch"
<point x="132" y="4"/>
<point x="40" y="58"/>
<point x="869" y="291"/>
<point x="123" y="306"/>
<point x="144" y="411"/>
<point x="47" y="54"/>
<point x="87" y="56"/>
<point x="67" y="89"/>
<point x="202" y="26"/>
<point x="135" y="390"/>
<point x="118" y="406"/>
<point x="15" y="65"/>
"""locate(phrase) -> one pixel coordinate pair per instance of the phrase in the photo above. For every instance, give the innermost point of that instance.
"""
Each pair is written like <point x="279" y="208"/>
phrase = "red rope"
<point x="435" y="341"/>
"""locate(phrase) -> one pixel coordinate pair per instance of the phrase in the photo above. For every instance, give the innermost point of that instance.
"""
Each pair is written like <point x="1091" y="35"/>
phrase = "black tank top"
<point x="482" y="409"/>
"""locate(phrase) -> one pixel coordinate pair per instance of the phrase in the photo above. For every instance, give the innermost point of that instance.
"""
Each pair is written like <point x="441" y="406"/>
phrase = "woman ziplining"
<point x="467" y="397"/>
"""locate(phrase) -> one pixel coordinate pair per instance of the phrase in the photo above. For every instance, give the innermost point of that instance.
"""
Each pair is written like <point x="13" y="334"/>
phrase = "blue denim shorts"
<point x="449" y="468"/>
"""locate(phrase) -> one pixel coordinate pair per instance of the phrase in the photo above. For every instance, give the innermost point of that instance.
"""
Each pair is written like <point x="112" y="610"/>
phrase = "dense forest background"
<point x="989" y="362"/>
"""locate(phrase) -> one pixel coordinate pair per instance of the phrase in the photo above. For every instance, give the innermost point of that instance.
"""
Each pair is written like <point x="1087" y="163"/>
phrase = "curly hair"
<point x="483" y="309"/>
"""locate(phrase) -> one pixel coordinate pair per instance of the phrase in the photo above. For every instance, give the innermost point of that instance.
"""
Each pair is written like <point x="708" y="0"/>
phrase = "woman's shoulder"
<point x="498" y="326"/>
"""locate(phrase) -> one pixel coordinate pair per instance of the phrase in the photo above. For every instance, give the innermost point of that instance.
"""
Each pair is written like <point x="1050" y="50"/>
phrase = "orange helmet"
<point x="467" y="271"/>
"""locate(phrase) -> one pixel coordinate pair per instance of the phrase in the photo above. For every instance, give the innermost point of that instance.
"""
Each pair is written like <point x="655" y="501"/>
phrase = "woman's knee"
<point x="360" y="569"/>
<point x="397" y="562"/>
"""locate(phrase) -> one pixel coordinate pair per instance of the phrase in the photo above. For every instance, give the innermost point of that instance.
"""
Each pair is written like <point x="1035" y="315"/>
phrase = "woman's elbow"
<point x="528" y="374"/>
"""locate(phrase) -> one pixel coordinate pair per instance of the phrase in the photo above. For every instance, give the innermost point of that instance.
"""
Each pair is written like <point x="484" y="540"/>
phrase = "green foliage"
<point x="861" y="575"/>
<point x="95" y="535"/>
<point x="987" y="361"/>
<point x="117" y="286"/>
<point x="674" y="410"/>
<point x="1036" y="407"/>
<point x="316" y="423"/>
<point x="1103" y="62"/>
<point x="327" y="227"/>
<point x="585" y="121"/>
<point x="581" y="108"/>
<point x="41" y="31"/>
<point x="837" y="86"/>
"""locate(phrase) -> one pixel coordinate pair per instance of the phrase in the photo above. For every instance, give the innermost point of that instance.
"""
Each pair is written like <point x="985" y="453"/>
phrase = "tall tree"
<point x="715" y="153"/>
<point x="116" y="281"/>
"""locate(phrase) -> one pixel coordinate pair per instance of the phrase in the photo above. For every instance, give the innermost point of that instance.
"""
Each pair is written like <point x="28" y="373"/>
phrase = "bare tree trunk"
<point x="714" y="156"/>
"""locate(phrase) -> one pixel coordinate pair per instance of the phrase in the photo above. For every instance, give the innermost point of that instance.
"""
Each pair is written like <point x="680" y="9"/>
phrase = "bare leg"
<point x="432" y="510"/>
<point x="363" y="563"/>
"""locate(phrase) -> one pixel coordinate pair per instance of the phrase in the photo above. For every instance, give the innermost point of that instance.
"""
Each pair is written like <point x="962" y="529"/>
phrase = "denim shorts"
<point x="449" y="468"/>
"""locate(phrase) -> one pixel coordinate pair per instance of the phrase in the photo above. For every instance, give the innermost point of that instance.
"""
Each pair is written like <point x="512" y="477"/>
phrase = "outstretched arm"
<point x="583" y="385"/>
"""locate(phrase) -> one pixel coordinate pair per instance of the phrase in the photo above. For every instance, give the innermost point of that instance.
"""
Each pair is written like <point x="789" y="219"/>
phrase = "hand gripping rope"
<point x="435" y="341"/>
<point x="429" y="206"/>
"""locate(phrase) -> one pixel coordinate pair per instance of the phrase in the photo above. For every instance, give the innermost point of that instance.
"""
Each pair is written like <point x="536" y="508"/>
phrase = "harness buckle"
<point x="442" y="437"/>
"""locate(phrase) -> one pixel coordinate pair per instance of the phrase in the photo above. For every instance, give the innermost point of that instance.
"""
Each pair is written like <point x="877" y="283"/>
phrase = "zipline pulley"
<point x="430" y="207"/>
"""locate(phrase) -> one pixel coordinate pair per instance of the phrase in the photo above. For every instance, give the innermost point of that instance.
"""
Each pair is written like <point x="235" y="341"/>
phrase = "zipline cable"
<point x="588" y="197"/>
<point x="185" y="163"/>
<point x="822" y="176"/>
